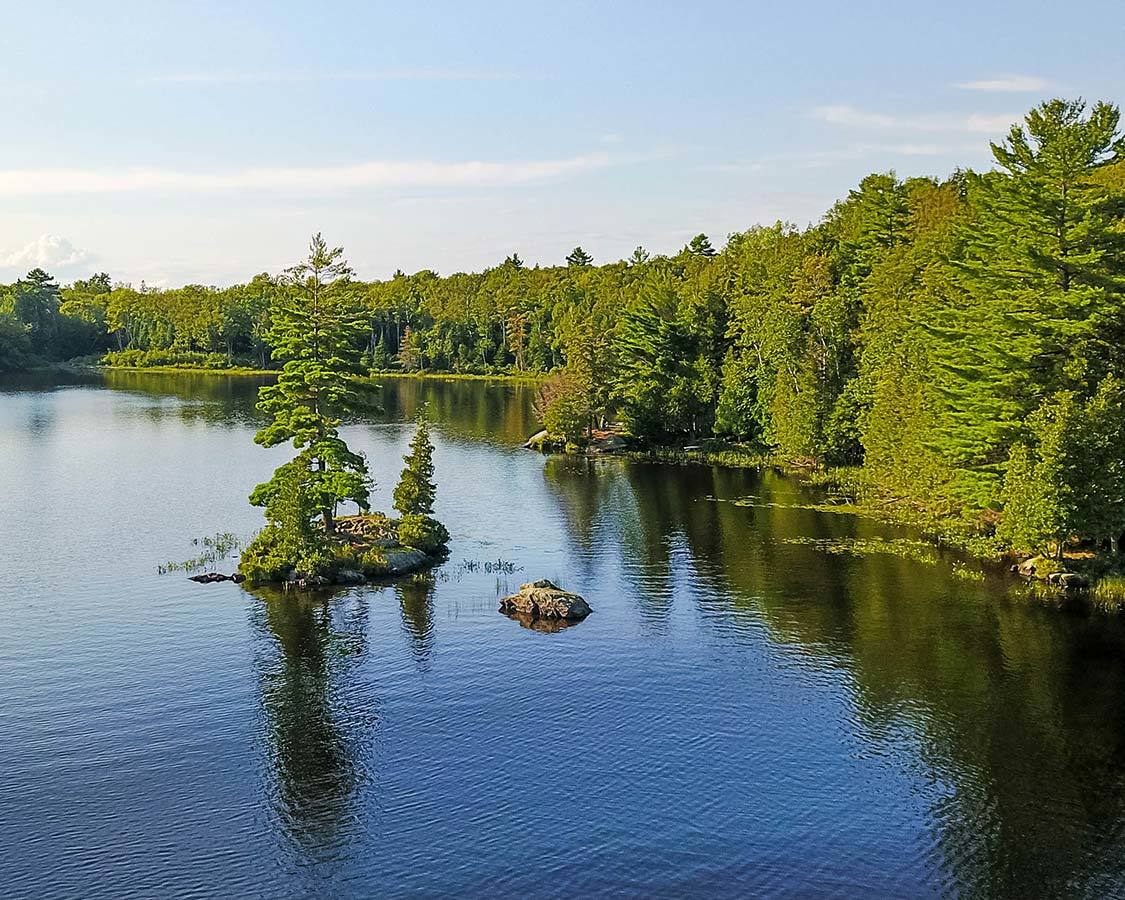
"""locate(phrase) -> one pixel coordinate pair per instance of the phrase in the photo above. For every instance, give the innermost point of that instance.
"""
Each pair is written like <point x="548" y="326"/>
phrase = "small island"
<point x="305" y="543"/>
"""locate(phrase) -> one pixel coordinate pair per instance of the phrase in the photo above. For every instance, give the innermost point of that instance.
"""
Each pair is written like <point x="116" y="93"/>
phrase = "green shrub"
<point x="563" y="406"/>
<point x="373" y="562"/>
<point x="169" y="356"/>
<point x="422" y="533"/>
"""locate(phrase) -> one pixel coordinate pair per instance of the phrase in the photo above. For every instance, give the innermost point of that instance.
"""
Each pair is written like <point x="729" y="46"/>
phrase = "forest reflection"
<point x="1003" y="702"/>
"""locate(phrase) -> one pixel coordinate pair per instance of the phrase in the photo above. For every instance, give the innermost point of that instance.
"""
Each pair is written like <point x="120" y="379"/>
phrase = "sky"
<point x="177" y="143"/>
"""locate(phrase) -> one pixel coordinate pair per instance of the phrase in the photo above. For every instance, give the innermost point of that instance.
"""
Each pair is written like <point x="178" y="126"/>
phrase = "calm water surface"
<point x="744" y="714"/>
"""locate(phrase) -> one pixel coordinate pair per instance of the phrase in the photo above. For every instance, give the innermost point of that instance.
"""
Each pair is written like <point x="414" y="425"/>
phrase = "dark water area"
<point x="744" y="714"/>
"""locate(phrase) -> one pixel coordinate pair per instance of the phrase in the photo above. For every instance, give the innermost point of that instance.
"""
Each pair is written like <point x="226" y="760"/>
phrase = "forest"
<point x="960" y="341"/>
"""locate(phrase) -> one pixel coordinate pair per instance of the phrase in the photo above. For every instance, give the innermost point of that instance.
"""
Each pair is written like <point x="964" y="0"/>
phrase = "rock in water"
<point x="546" y="600"/>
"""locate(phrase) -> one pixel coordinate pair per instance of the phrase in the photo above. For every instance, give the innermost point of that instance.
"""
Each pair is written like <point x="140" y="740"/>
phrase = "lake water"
<point x="744" y="714"/>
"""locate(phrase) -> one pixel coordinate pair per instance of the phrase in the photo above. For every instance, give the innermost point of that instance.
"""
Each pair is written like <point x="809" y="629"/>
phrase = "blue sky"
<point x="204" y="142"/>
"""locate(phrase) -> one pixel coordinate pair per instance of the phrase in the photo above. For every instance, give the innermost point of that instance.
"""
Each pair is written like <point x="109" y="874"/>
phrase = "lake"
<point x="748" y="711"/>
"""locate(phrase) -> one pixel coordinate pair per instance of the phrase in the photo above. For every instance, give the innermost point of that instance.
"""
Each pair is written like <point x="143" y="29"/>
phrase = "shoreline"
<point x="850" y="492"/>
<point x="247" y="371"/>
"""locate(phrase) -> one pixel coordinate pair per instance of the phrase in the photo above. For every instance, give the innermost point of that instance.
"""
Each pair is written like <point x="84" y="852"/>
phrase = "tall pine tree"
<point x="317" y="335"/>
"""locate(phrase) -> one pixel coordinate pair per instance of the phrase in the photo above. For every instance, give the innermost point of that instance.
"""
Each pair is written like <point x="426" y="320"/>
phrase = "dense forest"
<point x="963" y="340"/>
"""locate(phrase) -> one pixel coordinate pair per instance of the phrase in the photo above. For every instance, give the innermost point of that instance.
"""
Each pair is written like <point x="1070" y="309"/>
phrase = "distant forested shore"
<point x="959" y="341"/>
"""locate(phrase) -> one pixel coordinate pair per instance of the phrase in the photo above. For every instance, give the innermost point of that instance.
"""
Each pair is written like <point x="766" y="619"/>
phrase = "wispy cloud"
<point x="1007" y="84"/>
<point x="47" y="250"/>
<point x="823" y="158"/>
<point x="306" y="180"/>
<point x="852" y="117"/>
<point x="298" y="77"/>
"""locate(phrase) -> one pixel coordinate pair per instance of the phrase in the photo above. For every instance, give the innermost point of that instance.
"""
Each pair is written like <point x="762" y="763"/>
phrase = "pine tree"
<point x="35" y="302"/>
<point x="700" y="245"/>
<point x="1036" y="306"/>
<point x="579" y="258"/>
<point x="380" y="358"/>
<point x="409" y="356"/>
<point x="316" y="337"/>
<point x="414" y="494"/>
<point x="638" y="257"/>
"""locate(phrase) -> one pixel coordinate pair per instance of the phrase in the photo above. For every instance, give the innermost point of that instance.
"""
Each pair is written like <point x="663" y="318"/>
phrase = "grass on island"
<point x="1108" y="593"/>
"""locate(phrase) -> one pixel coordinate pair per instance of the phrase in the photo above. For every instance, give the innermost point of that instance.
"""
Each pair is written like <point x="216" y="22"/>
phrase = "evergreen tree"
<point x="638" y="257"/>
<point x="579" y="258"/>
<point x="1037" y="303"/>
<point x="316" y="337"/>
<point x="415" y="491"/>
<point x="700" y="245"/>
<point x="380" y="358"/>
<point x="35" y="302"/>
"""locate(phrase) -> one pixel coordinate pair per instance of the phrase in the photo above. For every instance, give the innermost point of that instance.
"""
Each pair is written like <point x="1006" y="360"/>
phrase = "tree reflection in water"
<point x="416" y="602"/>
<point x="1002" y="703"/>
<point x="319" y="714"/>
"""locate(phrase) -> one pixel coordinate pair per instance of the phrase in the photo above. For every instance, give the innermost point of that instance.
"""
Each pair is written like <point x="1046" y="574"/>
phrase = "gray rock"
<point x="349" y="576"/>
<point x="545" y="600"/>
<point x="404" y="560"/>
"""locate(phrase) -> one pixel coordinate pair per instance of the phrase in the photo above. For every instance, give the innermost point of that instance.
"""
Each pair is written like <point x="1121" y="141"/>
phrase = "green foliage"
<point x="1069" y="480"/>
<point x="15" y="344"/>
<point x="35" y="302"/>
<point x="929" y="331"/>
<point x="192" y="359"/>
<point x="563" y="407"/>
<point x="414" y="494"/>
<point x="422" y="533"/>
<point x="315" y="333"/>
<point x="1109" y="593"/>
<point x="290" y="542"/>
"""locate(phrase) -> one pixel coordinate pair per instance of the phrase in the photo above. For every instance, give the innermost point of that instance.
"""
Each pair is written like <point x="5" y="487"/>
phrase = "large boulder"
<point x="403" y="560"/>
<point x="545" y="600"/>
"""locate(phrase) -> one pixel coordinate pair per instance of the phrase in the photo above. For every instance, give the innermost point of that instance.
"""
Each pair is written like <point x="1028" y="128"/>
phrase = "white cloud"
<point x="1008" y="84"/>
<point x="46" y="251"/>
<point x="308" y="180"/>
<point x="851" y="117"/>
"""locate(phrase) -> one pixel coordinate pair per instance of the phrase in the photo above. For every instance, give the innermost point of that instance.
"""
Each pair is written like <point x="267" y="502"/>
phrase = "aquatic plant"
<point x="1109" y="593"/>
<point x="214" y="549"/>
<point x="905" y="548"/>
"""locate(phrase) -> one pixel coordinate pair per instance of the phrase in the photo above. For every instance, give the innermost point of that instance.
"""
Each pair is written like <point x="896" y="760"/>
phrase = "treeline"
<point x="961" y="339"/>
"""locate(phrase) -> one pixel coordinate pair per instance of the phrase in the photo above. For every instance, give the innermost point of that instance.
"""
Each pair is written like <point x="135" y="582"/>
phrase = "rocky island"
<point x="545" y="600"/>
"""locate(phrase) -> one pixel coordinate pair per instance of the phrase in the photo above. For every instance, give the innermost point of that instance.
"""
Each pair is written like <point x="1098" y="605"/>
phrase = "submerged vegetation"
<point x="212" y="550"/>
<point x="953" y="350"/>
